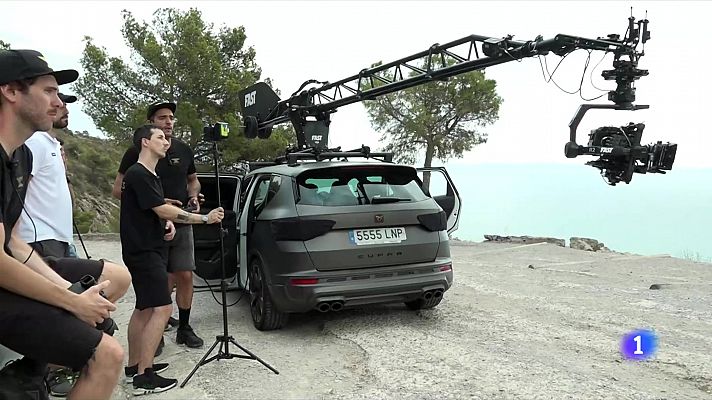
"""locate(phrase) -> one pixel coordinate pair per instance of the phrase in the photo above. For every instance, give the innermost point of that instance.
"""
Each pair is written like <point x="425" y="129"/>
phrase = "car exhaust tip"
<point x="428" y="295"/>
<point x="337" y="306"/>
<point x="323" y="307"/>
<point x="438" y="294"/>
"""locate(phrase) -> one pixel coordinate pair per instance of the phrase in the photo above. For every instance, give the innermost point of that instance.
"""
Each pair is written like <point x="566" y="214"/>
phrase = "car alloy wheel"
<point x="257" y="299"/>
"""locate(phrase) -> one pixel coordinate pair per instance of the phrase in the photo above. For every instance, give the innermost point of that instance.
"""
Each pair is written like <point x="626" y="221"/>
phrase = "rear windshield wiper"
<point x="383" y="200"/>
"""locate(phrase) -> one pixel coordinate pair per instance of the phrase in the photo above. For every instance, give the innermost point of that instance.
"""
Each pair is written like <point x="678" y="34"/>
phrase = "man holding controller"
<point x="39" y="317"/>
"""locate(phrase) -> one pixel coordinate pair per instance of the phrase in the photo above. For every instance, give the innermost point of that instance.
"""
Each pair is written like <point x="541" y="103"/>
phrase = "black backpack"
<point x="24" y="379"/>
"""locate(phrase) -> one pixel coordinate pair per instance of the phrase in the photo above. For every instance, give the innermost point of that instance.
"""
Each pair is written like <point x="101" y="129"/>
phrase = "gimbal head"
<point x="619" y="148"/>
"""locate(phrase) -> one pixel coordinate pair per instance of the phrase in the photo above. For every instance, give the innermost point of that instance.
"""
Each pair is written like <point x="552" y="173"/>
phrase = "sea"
<point x="652" y="215"/>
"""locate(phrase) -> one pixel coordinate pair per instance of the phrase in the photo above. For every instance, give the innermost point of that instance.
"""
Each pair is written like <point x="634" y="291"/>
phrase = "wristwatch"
<point x="204" y="218"/>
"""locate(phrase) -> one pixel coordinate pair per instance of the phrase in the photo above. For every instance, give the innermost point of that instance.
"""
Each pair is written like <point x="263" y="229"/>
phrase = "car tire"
<point x="422" y="304"/>
<point x="265" y="315"/>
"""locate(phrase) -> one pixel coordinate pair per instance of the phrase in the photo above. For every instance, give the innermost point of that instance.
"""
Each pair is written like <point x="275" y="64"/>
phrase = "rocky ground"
<point x="522" y="321"/>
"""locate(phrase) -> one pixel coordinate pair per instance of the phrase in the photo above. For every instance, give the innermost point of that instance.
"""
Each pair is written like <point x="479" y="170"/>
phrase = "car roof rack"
<point x="292" y="157"/>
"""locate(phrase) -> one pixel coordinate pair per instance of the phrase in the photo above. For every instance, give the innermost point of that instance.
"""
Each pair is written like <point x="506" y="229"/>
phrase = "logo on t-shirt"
<point x="54" y="154"/>
<point x="175" y="161"/>
<point x="20" y="182"/>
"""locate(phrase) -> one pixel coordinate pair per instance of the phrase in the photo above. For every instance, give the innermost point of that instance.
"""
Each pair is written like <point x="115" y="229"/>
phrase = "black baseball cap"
<point x="157" y="106"/>
<point x="16" y="65"/>
<point x="67" y="98"/>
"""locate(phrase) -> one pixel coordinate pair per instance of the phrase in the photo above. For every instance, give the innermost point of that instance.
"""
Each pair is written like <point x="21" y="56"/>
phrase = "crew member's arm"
<point x="17" y="278"/>
<point x="129" y="158"/>
<point x="116" y="190"/>
<point x="193" y="185"/>
<point x="149" y="195"/>
<point x="175" y="214"/>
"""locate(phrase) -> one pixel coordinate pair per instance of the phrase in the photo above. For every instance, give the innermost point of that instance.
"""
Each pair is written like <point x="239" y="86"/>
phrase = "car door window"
<point x="244" y="190"/>
<point x="265" y="192"/>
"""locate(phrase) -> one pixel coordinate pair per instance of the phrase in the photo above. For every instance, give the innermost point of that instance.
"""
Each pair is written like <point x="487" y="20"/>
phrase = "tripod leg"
<point x="254" y="357"/>
<point x="81" y="241"/>
<point x="202" y="360"/>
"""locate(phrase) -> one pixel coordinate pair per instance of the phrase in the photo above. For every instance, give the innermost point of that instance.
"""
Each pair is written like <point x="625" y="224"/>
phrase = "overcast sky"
<point x="300" y="40"/>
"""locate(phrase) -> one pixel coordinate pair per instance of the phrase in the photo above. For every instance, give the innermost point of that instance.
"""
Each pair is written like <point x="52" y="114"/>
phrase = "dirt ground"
<point x="521" y="321"/>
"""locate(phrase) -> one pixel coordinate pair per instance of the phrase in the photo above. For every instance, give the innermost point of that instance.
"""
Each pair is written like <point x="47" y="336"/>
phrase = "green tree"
<point x="4" y="45"/>
<point x="443" y="118"/>
<point x="176" y="57"/>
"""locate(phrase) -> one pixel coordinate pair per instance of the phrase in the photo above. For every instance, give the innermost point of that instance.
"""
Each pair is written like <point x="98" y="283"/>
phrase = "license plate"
<point x="361" y="237"/>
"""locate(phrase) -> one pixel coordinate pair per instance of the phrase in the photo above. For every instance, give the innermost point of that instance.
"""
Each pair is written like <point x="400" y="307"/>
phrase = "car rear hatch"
<point x="364" y="216"/>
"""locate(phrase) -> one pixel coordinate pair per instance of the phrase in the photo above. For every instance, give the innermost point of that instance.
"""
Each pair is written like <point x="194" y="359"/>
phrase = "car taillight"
<point x="300" y="229"/>
<point x="303" y="281"/>
<point x="433" y="222"/>
<point x="445" y="267"/>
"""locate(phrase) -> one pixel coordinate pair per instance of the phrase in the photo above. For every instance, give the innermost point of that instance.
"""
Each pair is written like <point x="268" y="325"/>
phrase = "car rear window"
<point x="359" y="185"/>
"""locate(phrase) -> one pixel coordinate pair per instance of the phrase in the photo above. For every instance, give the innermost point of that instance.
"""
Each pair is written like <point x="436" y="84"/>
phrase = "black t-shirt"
<point x="173" y="169"/>
<point x="140" y="228"/>
<point x="14" y="174"/>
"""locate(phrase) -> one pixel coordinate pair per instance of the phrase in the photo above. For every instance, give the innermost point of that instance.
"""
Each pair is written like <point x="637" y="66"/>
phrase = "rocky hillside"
<point x="92" y="164"/>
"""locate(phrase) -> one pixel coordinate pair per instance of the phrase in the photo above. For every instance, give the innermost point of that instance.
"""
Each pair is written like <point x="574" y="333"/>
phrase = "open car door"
<point x="438" y="185"/>
<point x="206" y="238"/>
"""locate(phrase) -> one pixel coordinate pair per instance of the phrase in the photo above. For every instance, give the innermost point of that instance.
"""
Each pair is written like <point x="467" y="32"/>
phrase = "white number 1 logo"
<point x="637" y="341"/>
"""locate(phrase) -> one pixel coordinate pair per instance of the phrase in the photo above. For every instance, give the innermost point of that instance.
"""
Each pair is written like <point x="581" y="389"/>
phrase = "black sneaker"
<point x="149" y="382"/>
<point x="131" y="372"/>
<point x="172" y="323"/>
<point x="61" y="381"/>
<point x="186" y="336"/>
<point x="159" y="349"/>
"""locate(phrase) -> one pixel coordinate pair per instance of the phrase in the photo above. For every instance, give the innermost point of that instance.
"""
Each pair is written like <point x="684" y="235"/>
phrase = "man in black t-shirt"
<point x="39" y="318"/>
<point x="181" y="187"/>
<point x="143" y="242"/>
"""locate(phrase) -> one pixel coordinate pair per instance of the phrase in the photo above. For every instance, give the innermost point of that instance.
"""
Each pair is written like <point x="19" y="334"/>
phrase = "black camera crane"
<point x="619" y="149"/>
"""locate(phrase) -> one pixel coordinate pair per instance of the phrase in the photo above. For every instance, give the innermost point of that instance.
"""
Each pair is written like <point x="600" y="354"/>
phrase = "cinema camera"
<point x="217" y="132"/>
<point x="621" y="153"/>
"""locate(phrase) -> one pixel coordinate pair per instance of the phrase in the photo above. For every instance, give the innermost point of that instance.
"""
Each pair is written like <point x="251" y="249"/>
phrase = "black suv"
<point x="331" y="235"/>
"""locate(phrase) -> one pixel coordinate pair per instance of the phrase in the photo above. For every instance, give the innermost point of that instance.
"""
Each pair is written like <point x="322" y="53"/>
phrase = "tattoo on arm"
<point x="183" y="217"/>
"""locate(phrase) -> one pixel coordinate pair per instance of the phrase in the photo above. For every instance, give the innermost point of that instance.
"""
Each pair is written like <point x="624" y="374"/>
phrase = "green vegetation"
<point x="92" y="164"/>
<point x="181" y="58"/>
<point x="443" y="118"/>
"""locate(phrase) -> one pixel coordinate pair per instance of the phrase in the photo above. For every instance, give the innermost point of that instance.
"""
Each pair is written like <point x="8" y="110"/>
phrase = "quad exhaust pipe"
<point x="338" y="305"/>
<point x="326" y="306"/>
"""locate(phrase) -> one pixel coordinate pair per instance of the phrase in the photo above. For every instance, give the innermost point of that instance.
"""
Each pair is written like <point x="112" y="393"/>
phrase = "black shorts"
<point x="181" y="256"/>
<point x="149" y="278"/>
<point x="51" y="248"/>
<point x="46" y="333"/>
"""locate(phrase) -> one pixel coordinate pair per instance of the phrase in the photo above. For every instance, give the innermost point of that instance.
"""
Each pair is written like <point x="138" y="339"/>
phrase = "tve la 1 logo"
<point x="640" y="344"/>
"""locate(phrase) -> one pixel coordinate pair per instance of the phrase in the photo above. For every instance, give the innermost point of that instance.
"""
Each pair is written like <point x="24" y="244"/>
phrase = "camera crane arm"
<point x="309" y="110"/>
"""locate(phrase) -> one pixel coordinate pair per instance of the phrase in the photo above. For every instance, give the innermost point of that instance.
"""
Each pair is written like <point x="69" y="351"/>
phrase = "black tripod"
<point x="225" y="339"/>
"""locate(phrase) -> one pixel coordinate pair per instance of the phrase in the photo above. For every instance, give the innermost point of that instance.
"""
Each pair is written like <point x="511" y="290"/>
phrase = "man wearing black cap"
<point x="47" y="224"/>
<point x="39" y="317"/>
<point x="181" y="188"/>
